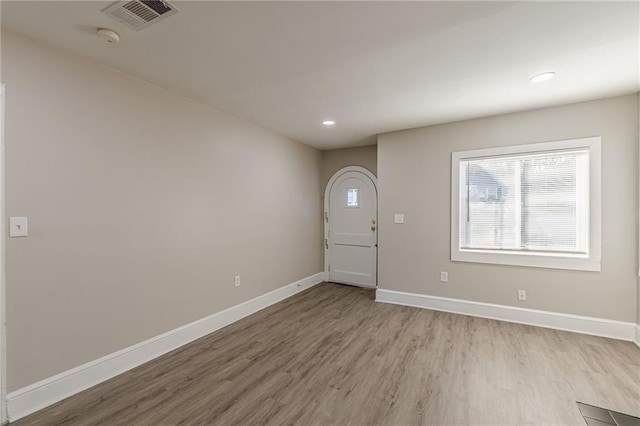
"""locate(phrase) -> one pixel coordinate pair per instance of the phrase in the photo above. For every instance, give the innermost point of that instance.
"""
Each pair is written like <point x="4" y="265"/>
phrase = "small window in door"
<point x="352" y="197"/>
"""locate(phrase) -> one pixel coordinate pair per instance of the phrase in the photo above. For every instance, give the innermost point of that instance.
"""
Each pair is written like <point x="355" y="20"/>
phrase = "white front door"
<point x="351" y="223"/>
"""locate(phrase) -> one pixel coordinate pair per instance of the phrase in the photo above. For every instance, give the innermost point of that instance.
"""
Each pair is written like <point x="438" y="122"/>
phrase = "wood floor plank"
<point x="332" y="355"/>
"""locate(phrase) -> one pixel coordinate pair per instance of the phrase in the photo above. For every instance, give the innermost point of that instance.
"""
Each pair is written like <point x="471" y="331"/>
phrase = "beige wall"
<point x="336" y="159"/>
<point x="414" y="178"/>
<point x="142" y="207"/>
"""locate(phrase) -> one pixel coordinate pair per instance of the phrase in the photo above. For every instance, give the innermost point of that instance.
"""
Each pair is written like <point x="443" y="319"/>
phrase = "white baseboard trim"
<point x="559" y="321"/>
<point x="53" y="389"/>
<point x="636" y="338"/>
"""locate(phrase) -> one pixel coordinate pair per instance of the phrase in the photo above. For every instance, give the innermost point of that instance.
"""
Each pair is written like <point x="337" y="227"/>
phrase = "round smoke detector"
<point x="108" y="35"/>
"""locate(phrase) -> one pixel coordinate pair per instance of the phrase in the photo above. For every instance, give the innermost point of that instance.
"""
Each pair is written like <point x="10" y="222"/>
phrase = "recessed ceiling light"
<point x="542" y="77"/>
<point x="329" y="123"/>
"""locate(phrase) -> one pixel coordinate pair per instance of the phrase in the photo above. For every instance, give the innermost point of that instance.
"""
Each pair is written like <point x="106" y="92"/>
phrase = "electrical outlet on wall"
<point x="236" y="281"/>
<point x="444" y="277"/>
<point x="522" y="295"/>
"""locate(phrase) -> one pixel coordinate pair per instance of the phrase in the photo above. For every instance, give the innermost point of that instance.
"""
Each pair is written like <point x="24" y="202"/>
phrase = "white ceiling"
<point x="372" y="66"/>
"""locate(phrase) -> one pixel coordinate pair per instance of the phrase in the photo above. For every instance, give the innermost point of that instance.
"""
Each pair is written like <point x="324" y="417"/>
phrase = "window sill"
<point x="530" y="260"/>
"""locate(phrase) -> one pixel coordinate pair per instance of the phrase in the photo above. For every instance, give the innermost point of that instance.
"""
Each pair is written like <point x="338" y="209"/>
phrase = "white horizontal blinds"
<point x="526" y="202"/>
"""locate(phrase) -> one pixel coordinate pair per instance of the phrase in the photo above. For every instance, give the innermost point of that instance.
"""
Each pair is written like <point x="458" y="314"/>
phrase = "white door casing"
<point x="351" y="227"/>
<point x="3" y="352"/>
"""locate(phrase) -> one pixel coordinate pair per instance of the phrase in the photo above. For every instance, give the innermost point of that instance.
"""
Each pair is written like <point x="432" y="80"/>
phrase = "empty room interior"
<point x="319" y="213"/>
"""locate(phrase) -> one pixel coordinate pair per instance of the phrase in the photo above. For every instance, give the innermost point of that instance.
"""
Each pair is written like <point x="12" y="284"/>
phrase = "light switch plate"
<point x="18" y="227"/>
<point x="398" y="218"/>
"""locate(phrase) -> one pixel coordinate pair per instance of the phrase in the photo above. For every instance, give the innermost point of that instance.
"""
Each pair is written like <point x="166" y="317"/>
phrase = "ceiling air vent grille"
<point x="139" y="14"/>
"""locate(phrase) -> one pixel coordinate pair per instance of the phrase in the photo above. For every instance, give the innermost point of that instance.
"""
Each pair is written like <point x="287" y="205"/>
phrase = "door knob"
<point x="373" y="227"/>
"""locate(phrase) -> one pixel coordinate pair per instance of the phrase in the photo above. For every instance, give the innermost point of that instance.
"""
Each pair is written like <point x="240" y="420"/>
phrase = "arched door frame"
<point x="325" y="215"/>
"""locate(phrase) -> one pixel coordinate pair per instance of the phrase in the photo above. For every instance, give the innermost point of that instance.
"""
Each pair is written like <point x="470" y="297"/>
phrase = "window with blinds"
<point x="535" y="202"/>
<point x="526" y="202"/>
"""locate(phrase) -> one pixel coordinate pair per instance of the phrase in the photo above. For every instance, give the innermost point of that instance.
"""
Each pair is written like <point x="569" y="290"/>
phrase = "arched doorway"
<point x="351" y="227"/>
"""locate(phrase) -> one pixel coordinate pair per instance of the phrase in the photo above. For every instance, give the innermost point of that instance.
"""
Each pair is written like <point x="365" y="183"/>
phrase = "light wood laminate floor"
<point x="331" y="355"/>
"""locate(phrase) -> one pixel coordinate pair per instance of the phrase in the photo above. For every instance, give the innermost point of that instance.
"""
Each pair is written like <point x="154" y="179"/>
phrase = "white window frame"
<point x="590" y="262"/>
